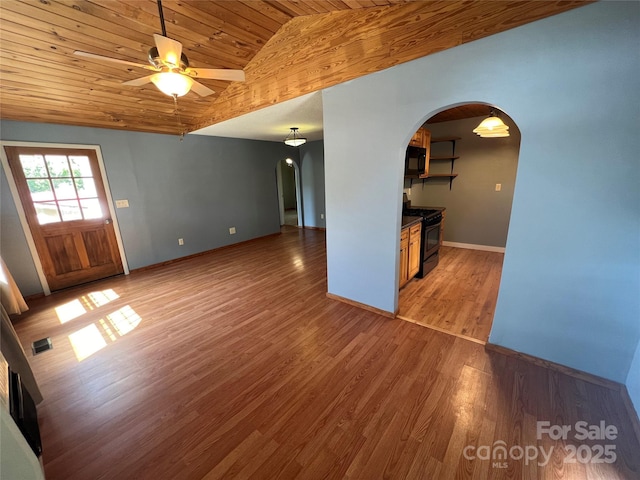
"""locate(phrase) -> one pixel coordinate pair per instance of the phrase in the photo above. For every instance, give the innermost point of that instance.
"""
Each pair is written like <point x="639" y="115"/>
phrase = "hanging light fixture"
<point x="492" y="127"/>
<point x="289" y="162"/>
<point x="294" y="139"/>
<point x="172" y="83"/>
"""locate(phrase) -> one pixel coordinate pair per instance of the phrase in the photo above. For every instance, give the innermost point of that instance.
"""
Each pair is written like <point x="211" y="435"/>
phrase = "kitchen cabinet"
<point x="404" y="256"/>
<point x="410" y="244"/>
<point x="422" y="138"/>
<point x="414" y="249"/>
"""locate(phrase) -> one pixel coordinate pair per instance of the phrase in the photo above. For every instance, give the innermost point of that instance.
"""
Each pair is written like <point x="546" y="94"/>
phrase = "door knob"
<point x="107" y="221"/>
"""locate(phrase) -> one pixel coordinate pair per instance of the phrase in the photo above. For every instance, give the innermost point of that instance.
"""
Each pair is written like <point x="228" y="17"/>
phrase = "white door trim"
<point x="23" y="218"/>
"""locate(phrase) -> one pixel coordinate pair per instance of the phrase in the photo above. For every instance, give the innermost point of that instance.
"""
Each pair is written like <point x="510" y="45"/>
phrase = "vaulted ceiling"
<point x="287" y="48"/>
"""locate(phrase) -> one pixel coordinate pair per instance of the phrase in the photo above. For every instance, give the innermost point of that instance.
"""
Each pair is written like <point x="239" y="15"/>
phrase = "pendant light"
<point x="294" y="139"/>
<point x="492" y="127"/>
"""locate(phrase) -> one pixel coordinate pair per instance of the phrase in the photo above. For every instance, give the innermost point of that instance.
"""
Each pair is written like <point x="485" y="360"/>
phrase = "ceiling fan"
<point x="172" y="76"/>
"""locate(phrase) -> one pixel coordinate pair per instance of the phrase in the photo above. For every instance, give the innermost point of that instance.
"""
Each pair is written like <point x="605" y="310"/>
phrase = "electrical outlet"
<point x="322" y="216"/>
<point x="498" y="187"/>
<point x="232" y="230"/>
<point x="122" y="203"/>
<point x="181" y="241"/>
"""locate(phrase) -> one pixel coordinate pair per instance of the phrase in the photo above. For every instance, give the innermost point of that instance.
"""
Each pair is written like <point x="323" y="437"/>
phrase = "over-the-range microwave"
<point x="415" y="161"/>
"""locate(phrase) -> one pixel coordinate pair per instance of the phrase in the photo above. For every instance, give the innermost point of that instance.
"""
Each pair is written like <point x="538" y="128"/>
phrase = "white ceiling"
<point x="273" y="123"/>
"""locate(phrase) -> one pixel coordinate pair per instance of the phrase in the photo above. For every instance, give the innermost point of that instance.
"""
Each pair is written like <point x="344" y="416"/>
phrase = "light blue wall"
<point x="633" y="380"/>
<point x="312" y="173"/>
<point x="571" y="276"/>
<point x="195" y="189"/>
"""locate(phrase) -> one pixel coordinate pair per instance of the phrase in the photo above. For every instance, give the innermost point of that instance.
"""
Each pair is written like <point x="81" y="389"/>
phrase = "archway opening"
<point x="467" y="187"/>
<point x="289" y="193"/>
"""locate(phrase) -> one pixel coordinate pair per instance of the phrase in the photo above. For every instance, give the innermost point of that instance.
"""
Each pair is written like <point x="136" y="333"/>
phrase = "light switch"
<point x="232" y="231"/>
<point x="498" y="187"/>
<point x="122" y="203"/>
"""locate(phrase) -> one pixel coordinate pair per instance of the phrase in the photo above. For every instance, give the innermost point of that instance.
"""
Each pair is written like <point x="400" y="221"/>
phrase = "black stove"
<point x="429" y="236"/>
<point x="429" y="216"/>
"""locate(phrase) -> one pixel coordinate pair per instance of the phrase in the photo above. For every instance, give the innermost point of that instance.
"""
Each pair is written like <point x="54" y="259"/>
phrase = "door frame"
<point x="23" y="218"/>
<point x="296" y="175"/>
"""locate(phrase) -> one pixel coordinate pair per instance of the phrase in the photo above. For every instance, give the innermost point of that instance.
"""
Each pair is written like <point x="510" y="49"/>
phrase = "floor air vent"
<point x="40" y="346"/>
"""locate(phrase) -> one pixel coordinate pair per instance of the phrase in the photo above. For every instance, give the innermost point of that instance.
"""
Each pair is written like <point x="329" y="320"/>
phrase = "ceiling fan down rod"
<point x="164" y="30"/>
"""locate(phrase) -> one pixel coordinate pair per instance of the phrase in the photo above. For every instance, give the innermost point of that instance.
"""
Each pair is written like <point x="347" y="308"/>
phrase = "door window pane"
<point x="80" y="166"/>
<point x="47" y="212"/>
<point x="58" y="166"/>
<point x="70" y="210"/>
<point x="33" y="166"/>
<point x="91" y="208"/>
<point x="86" y="187"/>
<point x="40" y="189"/>
<point x="64" y="189"/>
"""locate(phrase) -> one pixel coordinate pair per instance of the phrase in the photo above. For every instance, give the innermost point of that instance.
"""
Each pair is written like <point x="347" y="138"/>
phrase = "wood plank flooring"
<point x="235" y="365"/>
<point x="458" y="296"/>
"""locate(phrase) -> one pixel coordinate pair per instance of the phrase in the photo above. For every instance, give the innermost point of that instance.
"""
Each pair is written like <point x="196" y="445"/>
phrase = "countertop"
<point x="420" y="207"/>
<point x="408" y="221"/>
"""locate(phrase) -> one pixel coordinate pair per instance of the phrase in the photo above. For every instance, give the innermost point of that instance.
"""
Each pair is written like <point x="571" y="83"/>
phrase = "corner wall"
<point x="312" y="173"/>
<point x="571" y="276"/>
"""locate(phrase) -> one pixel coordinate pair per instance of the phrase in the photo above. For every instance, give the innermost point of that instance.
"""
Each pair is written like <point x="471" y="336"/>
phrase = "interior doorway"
<point x="288" y="180"/>
<point x="473" y="185"/>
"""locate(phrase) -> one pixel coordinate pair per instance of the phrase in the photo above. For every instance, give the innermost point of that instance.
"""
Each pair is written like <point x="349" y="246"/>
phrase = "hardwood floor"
<point x="235" y="365"/>
<point x="458" y="296"/>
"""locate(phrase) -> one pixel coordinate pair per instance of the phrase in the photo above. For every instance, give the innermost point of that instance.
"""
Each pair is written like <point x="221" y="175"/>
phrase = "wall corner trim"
<point x="363" y="306"/>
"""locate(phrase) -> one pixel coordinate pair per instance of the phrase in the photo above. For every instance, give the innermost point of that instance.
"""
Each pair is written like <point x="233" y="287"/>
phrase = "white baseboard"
<point x="471" y="246"/>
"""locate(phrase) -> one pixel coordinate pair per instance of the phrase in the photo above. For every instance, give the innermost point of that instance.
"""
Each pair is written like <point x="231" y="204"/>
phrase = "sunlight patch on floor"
<point x="94" y="337"/>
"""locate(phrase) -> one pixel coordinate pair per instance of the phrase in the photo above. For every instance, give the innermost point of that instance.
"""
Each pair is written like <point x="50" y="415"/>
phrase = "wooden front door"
<point x="65" y="204"/>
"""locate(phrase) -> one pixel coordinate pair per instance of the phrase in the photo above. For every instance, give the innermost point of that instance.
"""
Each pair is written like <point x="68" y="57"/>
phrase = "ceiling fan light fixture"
<point x="492" y="127"/>
<point x="172" y="83"/>
<point x="294" y="139"/>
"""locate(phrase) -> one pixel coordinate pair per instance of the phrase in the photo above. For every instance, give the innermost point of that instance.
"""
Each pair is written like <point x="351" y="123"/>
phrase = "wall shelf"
<point x="445" y="158"/>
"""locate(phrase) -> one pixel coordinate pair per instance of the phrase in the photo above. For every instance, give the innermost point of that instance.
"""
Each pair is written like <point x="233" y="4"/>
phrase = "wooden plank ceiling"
<point x="287" y="48"/>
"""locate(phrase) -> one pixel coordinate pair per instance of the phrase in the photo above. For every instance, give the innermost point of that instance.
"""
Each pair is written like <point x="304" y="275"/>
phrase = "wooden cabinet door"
<point x="414" y="250"/>
<point x="418" y="139"/>
<point x="65" y="203"/>
<point x="404" y="256"/>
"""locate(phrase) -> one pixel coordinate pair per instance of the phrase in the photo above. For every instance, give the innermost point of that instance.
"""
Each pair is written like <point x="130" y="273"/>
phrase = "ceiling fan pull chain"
<point x="177" y="114"/>
<point x="164" y="30"/>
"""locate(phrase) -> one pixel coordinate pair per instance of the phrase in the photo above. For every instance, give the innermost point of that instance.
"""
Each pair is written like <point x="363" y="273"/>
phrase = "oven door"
<point x="430" y="247"/>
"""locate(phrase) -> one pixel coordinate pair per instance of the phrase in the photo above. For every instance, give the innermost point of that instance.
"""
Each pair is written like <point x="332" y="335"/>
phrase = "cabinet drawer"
<point x="415" y="229"/>
<point x="404" y="234"/>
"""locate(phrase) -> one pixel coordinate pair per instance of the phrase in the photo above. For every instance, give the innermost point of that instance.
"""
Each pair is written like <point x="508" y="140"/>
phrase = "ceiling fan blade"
<point x="169" y="50"/>
<point x="138" y="81"/>
<point x="109" y="59"/>
<point x="217" y="74"/>
<point x="201" y="90"/>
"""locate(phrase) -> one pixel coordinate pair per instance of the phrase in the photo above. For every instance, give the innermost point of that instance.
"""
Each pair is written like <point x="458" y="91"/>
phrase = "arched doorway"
<point x="471" y="181"/>
<point x="289" y="199"/>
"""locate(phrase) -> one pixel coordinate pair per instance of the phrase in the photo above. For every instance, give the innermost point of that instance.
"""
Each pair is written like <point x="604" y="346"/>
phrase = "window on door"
<point x="62" y="187"/>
